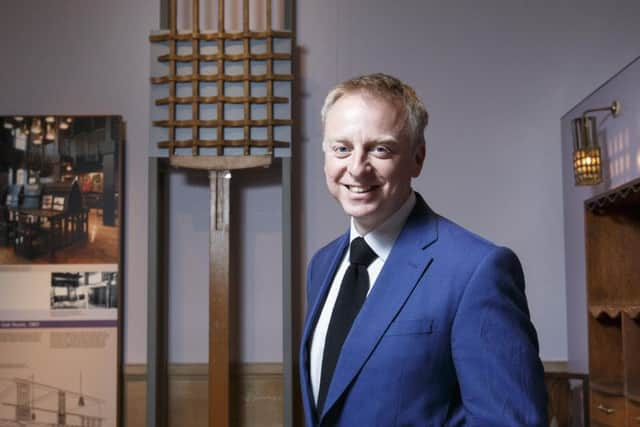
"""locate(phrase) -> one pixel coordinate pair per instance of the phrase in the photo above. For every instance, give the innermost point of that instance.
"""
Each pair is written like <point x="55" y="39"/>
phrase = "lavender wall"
<point x="495" y="78"/>
<point x="620" y="142"/>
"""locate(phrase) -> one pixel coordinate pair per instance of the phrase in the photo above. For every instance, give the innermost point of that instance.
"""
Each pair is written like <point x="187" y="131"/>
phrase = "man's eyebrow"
<point x="384" y="139"/>
<point x="339" y="140"/>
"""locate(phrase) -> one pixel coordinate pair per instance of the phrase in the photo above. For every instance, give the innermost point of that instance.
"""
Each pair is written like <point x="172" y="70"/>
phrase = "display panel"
<point x="61" y="222"/>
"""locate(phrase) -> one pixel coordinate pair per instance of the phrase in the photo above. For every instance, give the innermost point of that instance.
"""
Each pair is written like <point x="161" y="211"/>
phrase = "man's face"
<point x="368" y="158"/>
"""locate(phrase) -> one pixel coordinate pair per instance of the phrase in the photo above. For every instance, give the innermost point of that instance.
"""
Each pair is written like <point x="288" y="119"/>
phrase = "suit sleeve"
<point x="495" y="348"/>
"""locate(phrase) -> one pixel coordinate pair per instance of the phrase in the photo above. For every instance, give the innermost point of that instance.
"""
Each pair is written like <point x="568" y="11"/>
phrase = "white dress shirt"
<point x="381" y="241"/>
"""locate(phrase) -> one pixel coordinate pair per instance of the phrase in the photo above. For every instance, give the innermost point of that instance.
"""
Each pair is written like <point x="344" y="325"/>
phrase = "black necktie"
<point x="353" y="291"/>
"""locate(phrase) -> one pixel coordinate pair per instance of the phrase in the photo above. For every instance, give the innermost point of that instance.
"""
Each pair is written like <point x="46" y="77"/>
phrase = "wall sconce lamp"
<point x="587" y="158"/>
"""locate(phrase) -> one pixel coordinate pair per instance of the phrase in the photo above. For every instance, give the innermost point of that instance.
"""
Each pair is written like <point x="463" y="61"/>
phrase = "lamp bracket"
<point x="614" y="108"/>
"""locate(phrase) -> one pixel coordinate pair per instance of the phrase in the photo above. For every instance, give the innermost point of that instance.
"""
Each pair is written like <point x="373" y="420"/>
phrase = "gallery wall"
<point x="620" y="145"/>
<point x="495" y="79"/>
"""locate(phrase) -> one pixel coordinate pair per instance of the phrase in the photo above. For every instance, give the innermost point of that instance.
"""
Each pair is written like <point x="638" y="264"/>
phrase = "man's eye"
<point x="381" y="150"/>
<point x="340" y="149"/>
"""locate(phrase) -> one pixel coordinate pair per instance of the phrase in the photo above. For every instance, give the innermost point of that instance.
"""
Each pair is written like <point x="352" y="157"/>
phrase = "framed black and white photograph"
<point x="84" y="290"/>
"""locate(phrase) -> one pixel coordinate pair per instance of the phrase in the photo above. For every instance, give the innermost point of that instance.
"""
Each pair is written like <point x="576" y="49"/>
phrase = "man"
<point x="412" y="320"/>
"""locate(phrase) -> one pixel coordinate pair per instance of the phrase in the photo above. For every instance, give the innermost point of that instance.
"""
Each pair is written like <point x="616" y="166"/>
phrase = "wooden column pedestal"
<point x="219" y="279"/>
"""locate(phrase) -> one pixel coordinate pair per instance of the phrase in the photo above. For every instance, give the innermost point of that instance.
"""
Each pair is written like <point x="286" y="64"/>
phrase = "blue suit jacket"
<point x="443" y="339"/>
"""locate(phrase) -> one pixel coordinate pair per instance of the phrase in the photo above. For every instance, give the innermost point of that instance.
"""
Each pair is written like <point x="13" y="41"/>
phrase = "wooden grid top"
<point x="221" y="94"/>
<point x="220" y="99"/>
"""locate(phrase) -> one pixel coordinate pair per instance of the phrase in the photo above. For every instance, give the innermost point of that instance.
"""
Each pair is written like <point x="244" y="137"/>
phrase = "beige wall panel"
<point x="135" y="396"/>
<point x="256" y="391"/>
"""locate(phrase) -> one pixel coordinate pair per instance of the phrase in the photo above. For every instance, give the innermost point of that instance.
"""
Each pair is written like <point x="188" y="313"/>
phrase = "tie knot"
<point x="361" y="253"/>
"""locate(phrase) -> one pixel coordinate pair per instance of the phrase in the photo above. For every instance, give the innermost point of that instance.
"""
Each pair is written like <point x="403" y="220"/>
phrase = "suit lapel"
<point x="314" y="310"/>
<point x="406" y="264"/>
<point x="321" y="293"/>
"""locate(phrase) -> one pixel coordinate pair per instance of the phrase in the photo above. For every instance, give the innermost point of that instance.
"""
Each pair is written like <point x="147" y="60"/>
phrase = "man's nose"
<point x="359" y="163"/>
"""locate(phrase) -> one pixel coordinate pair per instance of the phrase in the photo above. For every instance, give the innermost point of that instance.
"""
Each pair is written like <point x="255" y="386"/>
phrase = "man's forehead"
<point x="372" y="104"/>
<point x="354" y="109"/>
<point x="374" y="97"/>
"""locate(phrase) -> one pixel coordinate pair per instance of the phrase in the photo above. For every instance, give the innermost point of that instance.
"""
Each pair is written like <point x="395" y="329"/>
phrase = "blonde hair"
<point x="388" y="88"/>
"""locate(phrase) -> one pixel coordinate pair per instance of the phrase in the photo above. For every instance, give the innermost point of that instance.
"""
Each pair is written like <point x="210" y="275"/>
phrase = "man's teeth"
<point x="358" y="189"/>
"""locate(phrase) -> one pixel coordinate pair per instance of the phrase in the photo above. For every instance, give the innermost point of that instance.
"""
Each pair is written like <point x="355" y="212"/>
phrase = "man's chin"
<point x="359" y="211"/>
<point x="363" y="217"/>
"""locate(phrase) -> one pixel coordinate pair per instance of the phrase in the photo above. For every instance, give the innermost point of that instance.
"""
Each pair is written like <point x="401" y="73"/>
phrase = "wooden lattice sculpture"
<point x="221" y="100"/>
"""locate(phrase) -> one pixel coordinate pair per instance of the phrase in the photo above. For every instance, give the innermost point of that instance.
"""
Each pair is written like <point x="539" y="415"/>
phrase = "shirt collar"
<point x="382" y="238"/>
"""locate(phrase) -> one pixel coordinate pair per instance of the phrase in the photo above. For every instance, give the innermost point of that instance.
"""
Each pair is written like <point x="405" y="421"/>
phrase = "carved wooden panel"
<point x="220" y="93"/>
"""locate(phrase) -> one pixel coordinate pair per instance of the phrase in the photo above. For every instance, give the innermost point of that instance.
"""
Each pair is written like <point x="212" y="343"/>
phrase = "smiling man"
<point x="412" y="320"/>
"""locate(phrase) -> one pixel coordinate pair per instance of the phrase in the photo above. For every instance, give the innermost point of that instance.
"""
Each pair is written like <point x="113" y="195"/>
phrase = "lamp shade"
<point x="50" y="135"/>
<point x="36" y="126"/>
<point x="587" y="158"/>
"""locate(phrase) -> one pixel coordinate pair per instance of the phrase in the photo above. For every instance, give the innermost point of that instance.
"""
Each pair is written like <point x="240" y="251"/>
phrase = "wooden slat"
<point x="195" y="69"/>
<point x="210" y="143"/>
<point x="216" y="78"/>
<point x="269" y="72"/>
<point x="173" y="18"/>
<point x="219" y="123"/>
<point x="227" y="56"/>
<point x="220" y="68"/>
<point x="173" y="30"/>
<point x="217" y="163"/>
<point x="225" y="99"/>
<point x="225" y="36"/>
<point x="246" y="76"/>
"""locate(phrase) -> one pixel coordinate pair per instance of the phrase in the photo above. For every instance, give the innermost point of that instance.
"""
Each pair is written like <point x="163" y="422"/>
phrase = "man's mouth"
<point x="359" y="189"/>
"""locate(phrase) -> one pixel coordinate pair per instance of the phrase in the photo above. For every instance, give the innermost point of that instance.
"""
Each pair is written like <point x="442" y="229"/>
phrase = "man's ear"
<point x="419" y="155"/>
